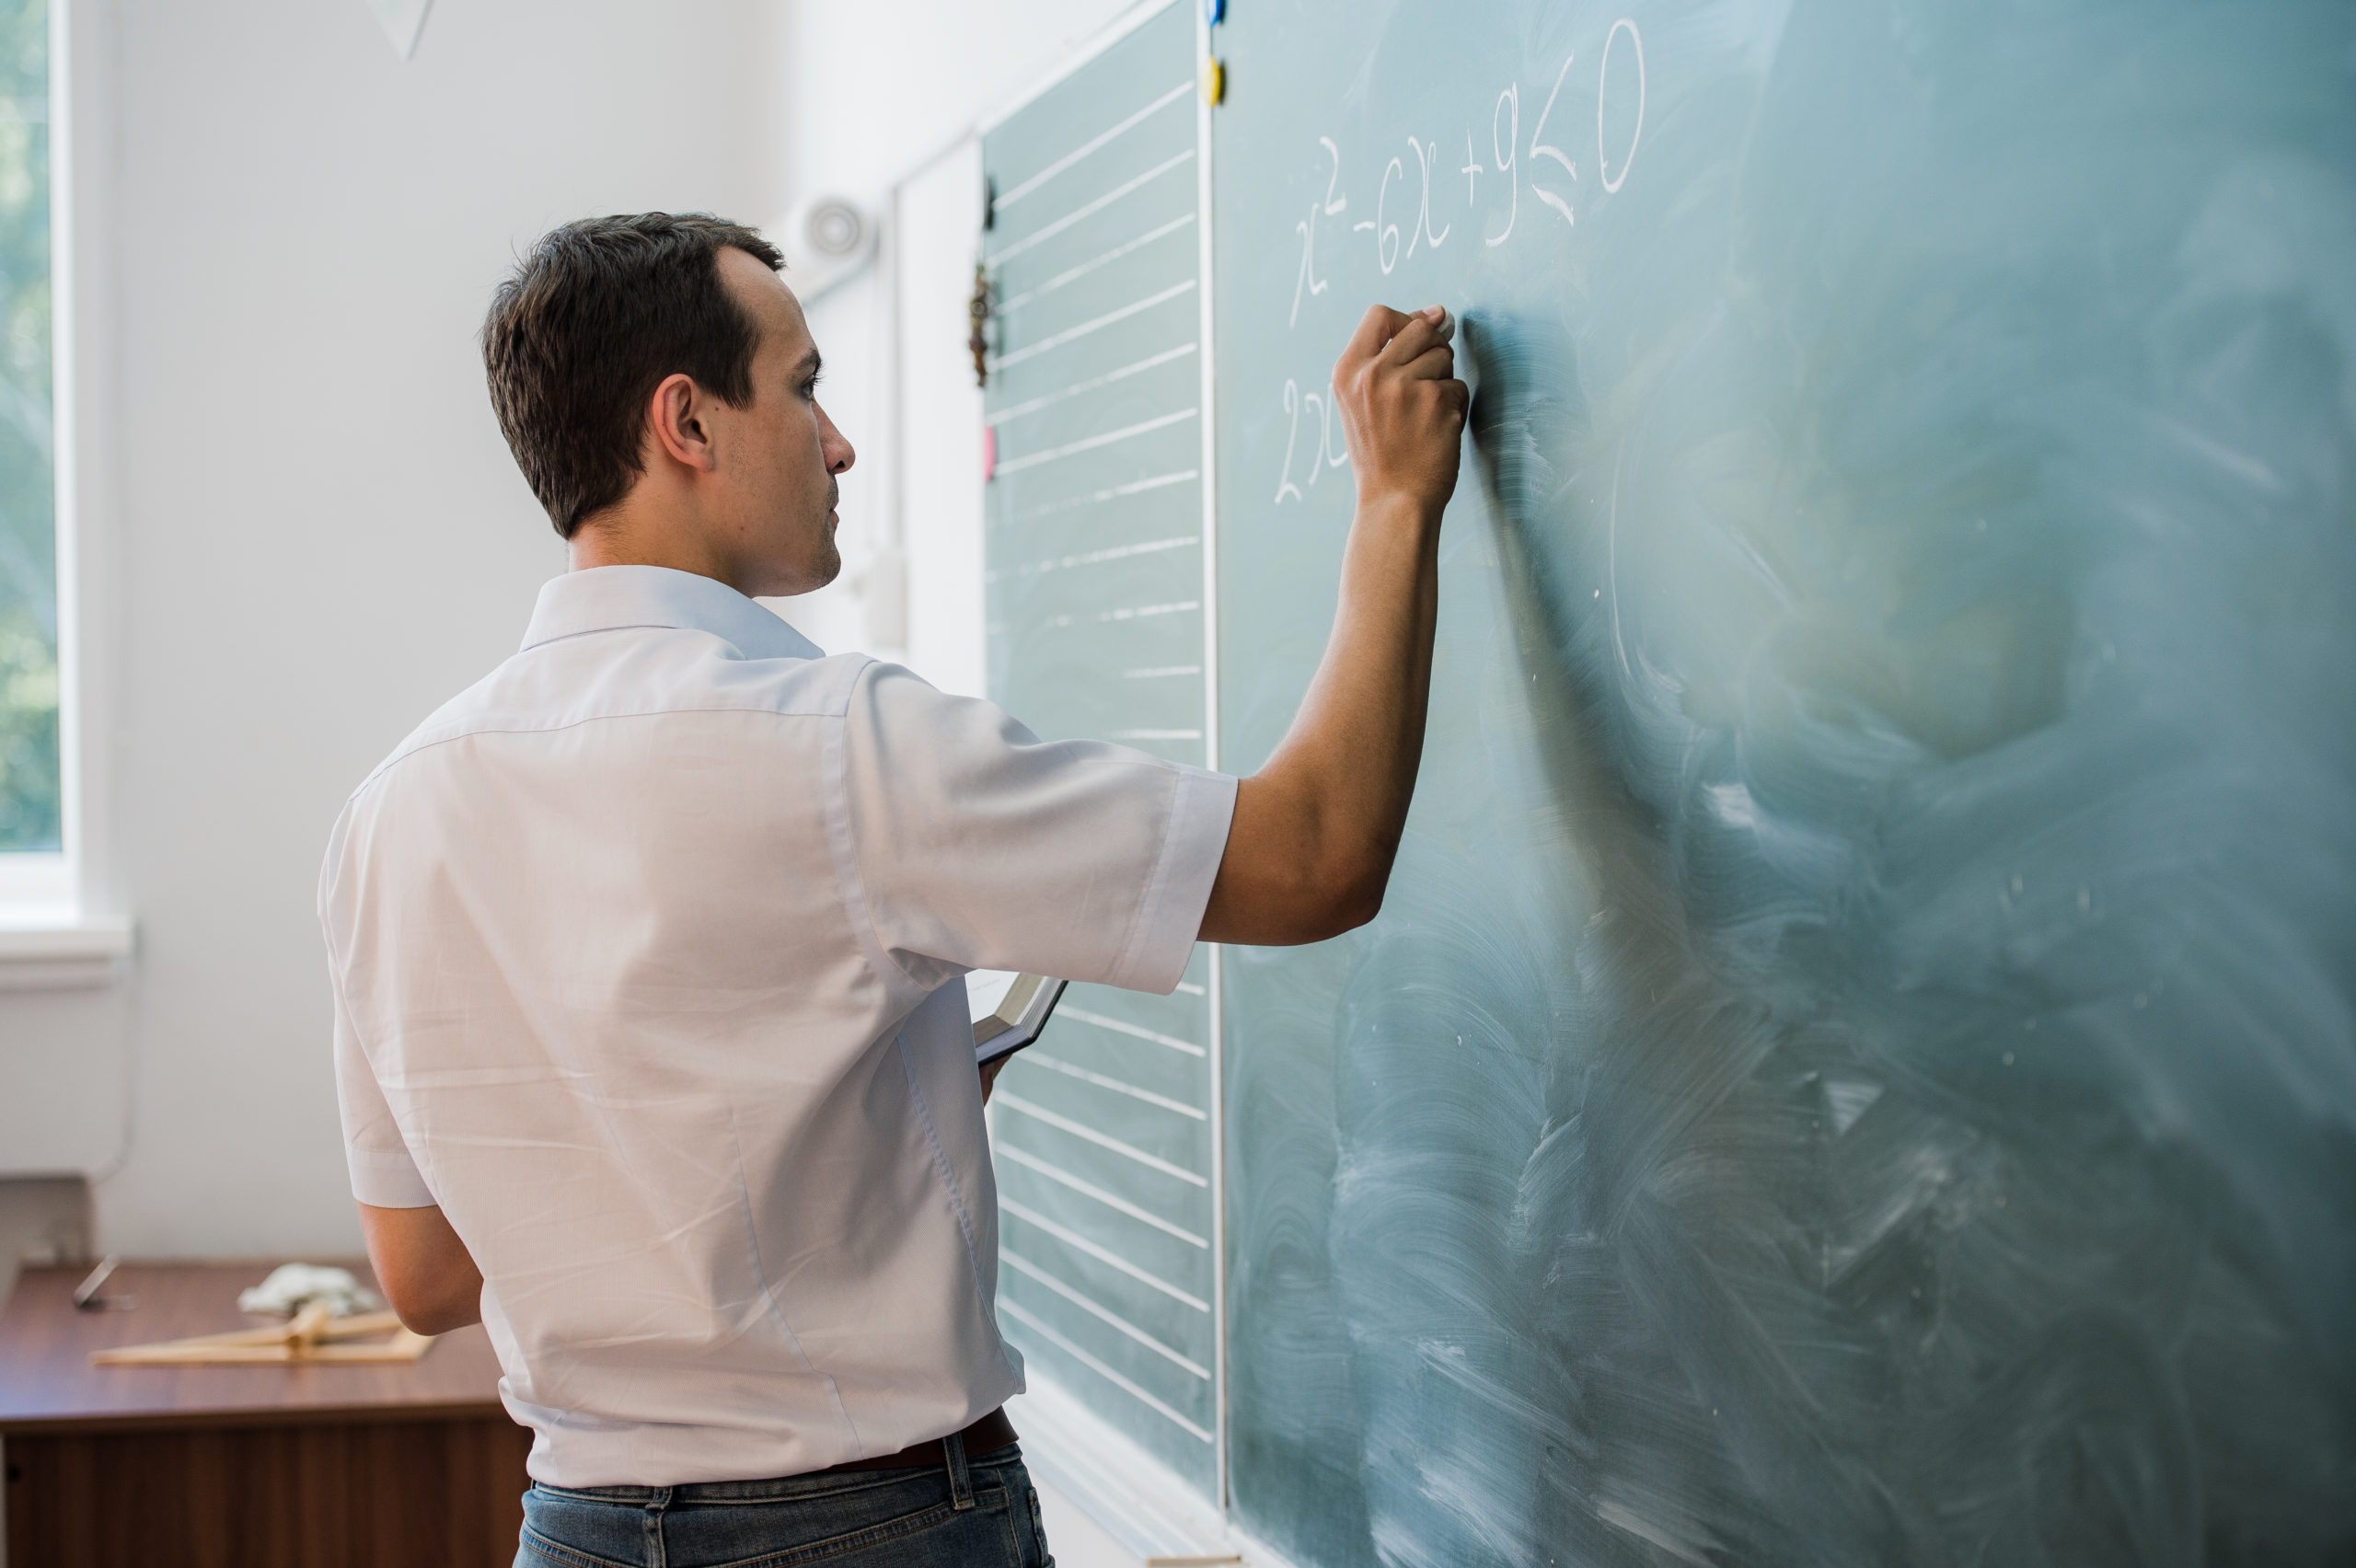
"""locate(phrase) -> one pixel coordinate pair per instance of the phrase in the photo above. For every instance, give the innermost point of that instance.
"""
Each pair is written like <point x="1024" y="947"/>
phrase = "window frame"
<point x="54" y="930"/>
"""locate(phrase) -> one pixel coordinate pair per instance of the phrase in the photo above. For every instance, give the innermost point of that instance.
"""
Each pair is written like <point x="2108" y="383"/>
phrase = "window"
<point x="31" y="794"/>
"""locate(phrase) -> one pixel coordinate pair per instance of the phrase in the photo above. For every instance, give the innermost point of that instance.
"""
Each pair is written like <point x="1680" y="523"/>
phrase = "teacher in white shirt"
<point x="649" y="948"/>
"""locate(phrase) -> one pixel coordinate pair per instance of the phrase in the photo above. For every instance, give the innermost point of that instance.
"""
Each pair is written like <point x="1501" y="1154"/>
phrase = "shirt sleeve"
<point x="384" y="1174"/>
<point x="975" y="845"/>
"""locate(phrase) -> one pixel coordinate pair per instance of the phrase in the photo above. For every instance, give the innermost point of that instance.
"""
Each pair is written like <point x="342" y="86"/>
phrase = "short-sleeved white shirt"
<point x="649" y="954"/>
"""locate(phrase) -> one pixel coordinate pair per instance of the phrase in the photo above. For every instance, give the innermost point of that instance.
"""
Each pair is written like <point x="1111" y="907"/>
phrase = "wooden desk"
<point x="243" y="1467"/>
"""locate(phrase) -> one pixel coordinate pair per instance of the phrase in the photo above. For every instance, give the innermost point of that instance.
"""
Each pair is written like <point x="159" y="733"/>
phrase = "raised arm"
<point x="1315" y="830"/>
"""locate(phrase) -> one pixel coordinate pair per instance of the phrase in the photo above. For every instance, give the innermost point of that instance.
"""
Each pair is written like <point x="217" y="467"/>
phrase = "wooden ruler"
<point x="313" y="1335"/>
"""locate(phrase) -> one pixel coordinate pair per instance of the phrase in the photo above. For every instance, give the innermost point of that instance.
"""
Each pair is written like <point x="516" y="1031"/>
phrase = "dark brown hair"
<point x="589" y="325"/>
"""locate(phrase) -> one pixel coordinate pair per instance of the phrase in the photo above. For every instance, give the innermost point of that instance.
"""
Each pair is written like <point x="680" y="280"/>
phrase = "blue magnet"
<point x="1214" y="12"/>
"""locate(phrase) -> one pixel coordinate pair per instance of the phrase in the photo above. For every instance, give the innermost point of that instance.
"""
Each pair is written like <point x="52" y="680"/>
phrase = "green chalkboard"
<point x="1856" y="1065"/>
<point x="1093" y="551"/>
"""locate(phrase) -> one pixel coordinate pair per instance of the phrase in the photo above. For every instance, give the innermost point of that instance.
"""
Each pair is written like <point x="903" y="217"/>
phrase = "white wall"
<point x="871" y="88"/>
<point x="937" y="217"/>
<point x="306" y="532"/>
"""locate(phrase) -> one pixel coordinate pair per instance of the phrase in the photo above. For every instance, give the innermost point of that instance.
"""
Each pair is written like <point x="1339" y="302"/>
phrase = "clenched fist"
<point x="1403" y="408"/>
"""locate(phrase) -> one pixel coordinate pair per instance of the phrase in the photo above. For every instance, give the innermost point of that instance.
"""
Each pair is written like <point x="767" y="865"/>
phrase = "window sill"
<point x="58" y="950"/>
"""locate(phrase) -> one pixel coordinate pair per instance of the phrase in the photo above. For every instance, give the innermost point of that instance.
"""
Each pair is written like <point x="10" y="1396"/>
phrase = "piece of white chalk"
<point x="1447" y="325"/>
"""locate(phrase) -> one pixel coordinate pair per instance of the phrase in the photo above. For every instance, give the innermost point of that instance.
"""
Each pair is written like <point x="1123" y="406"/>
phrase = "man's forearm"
<point x="423" y="1268"/>
<point x="1365" y="710"/>
<point x="1333" y="799"/>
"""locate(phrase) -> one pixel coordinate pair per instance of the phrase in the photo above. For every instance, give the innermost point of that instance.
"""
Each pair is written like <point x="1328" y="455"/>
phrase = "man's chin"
<point x="830" y="565"/>
<point x="807" y="575"/>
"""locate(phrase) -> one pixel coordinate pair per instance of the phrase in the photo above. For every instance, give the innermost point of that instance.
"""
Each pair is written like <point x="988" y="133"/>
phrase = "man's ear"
<point x="676" y="415"/>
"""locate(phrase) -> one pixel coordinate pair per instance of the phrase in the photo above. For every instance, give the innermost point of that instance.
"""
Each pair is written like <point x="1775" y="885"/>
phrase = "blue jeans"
<point x="977" y="1515"/>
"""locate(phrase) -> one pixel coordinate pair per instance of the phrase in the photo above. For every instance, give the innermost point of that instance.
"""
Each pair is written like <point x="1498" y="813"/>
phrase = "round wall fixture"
<point x="827" y="241"/>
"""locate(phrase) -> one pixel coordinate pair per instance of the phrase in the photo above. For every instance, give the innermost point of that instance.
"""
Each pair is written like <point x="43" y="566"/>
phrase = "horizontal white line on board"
<point x="1006" y="307"/>
<point x="1057" y="227"/>
<point x="1126" y="613"/>
<point x="1135" y="487"/>
<point x="1155" y="736"/>
<point x="1073" y="334"/>
<point x="1025" y="1265"/>
<point x="1019" y="1316"/>
<point x="1033" y="405"/>
<point x="1088" y="1189"/>
<point x="1075" y="1240"/>
<point x="1160" y="670"/>
<point x="1100" y="1021"/>
<point x="1096" y="557"/>
<point x="1090" y="444"/>
<point x="1091" y="145"/>
<point x="1101" y="1140"/>
<point x="1191" y="989"/>
<point x="1037" y="1057"/>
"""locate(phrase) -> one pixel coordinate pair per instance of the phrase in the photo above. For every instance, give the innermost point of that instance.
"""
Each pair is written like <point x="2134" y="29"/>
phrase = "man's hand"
<point x="1310" y="850"/>
<point x="425" y="1271"/>
<point x="1402" y="410"/>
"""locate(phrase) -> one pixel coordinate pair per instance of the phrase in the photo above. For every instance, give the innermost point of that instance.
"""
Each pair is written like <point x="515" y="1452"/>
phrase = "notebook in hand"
<point x="1009" y="1009"/>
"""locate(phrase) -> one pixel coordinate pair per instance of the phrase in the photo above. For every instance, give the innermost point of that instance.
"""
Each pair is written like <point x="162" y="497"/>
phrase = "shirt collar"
<point x="606" y="598"/>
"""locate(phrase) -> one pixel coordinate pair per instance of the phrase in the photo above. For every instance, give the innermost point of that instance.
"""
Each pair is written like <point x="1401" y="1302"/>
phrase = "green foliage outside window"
<point x="30" y="792"/>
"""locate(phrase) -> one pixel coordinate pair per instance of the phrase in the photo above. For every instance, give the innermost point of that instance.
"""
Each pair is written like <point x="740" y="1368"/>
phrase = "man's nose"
<point x="838" y="451"/>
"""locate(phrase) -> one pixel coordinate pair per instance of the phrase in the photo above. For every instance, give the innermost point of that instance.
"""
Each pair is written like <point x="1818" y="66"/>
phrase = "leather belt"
<point x="992" y="1431"/>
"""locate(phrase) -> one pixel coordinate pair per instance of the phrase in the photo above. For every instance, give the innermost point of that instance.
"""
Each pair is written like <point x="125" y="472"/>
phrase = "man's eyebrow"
<point x="810" y="365"/>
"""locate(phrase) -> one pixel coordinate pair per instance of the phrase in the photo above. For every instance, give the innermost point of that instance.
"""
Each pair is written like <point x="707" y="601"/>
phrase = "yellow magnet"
<point x="1214" y="81"/>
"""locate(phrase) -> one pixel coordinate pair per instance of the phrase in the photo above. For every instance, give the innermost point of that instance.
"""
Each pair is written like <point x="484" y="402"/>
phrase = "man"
<point x="649" y="949"/>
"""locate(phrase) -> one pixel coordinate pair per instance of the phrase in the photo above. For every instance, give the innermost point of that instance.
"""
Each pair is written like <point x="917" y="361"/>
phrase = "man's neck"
<point x="627" y="535"/>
